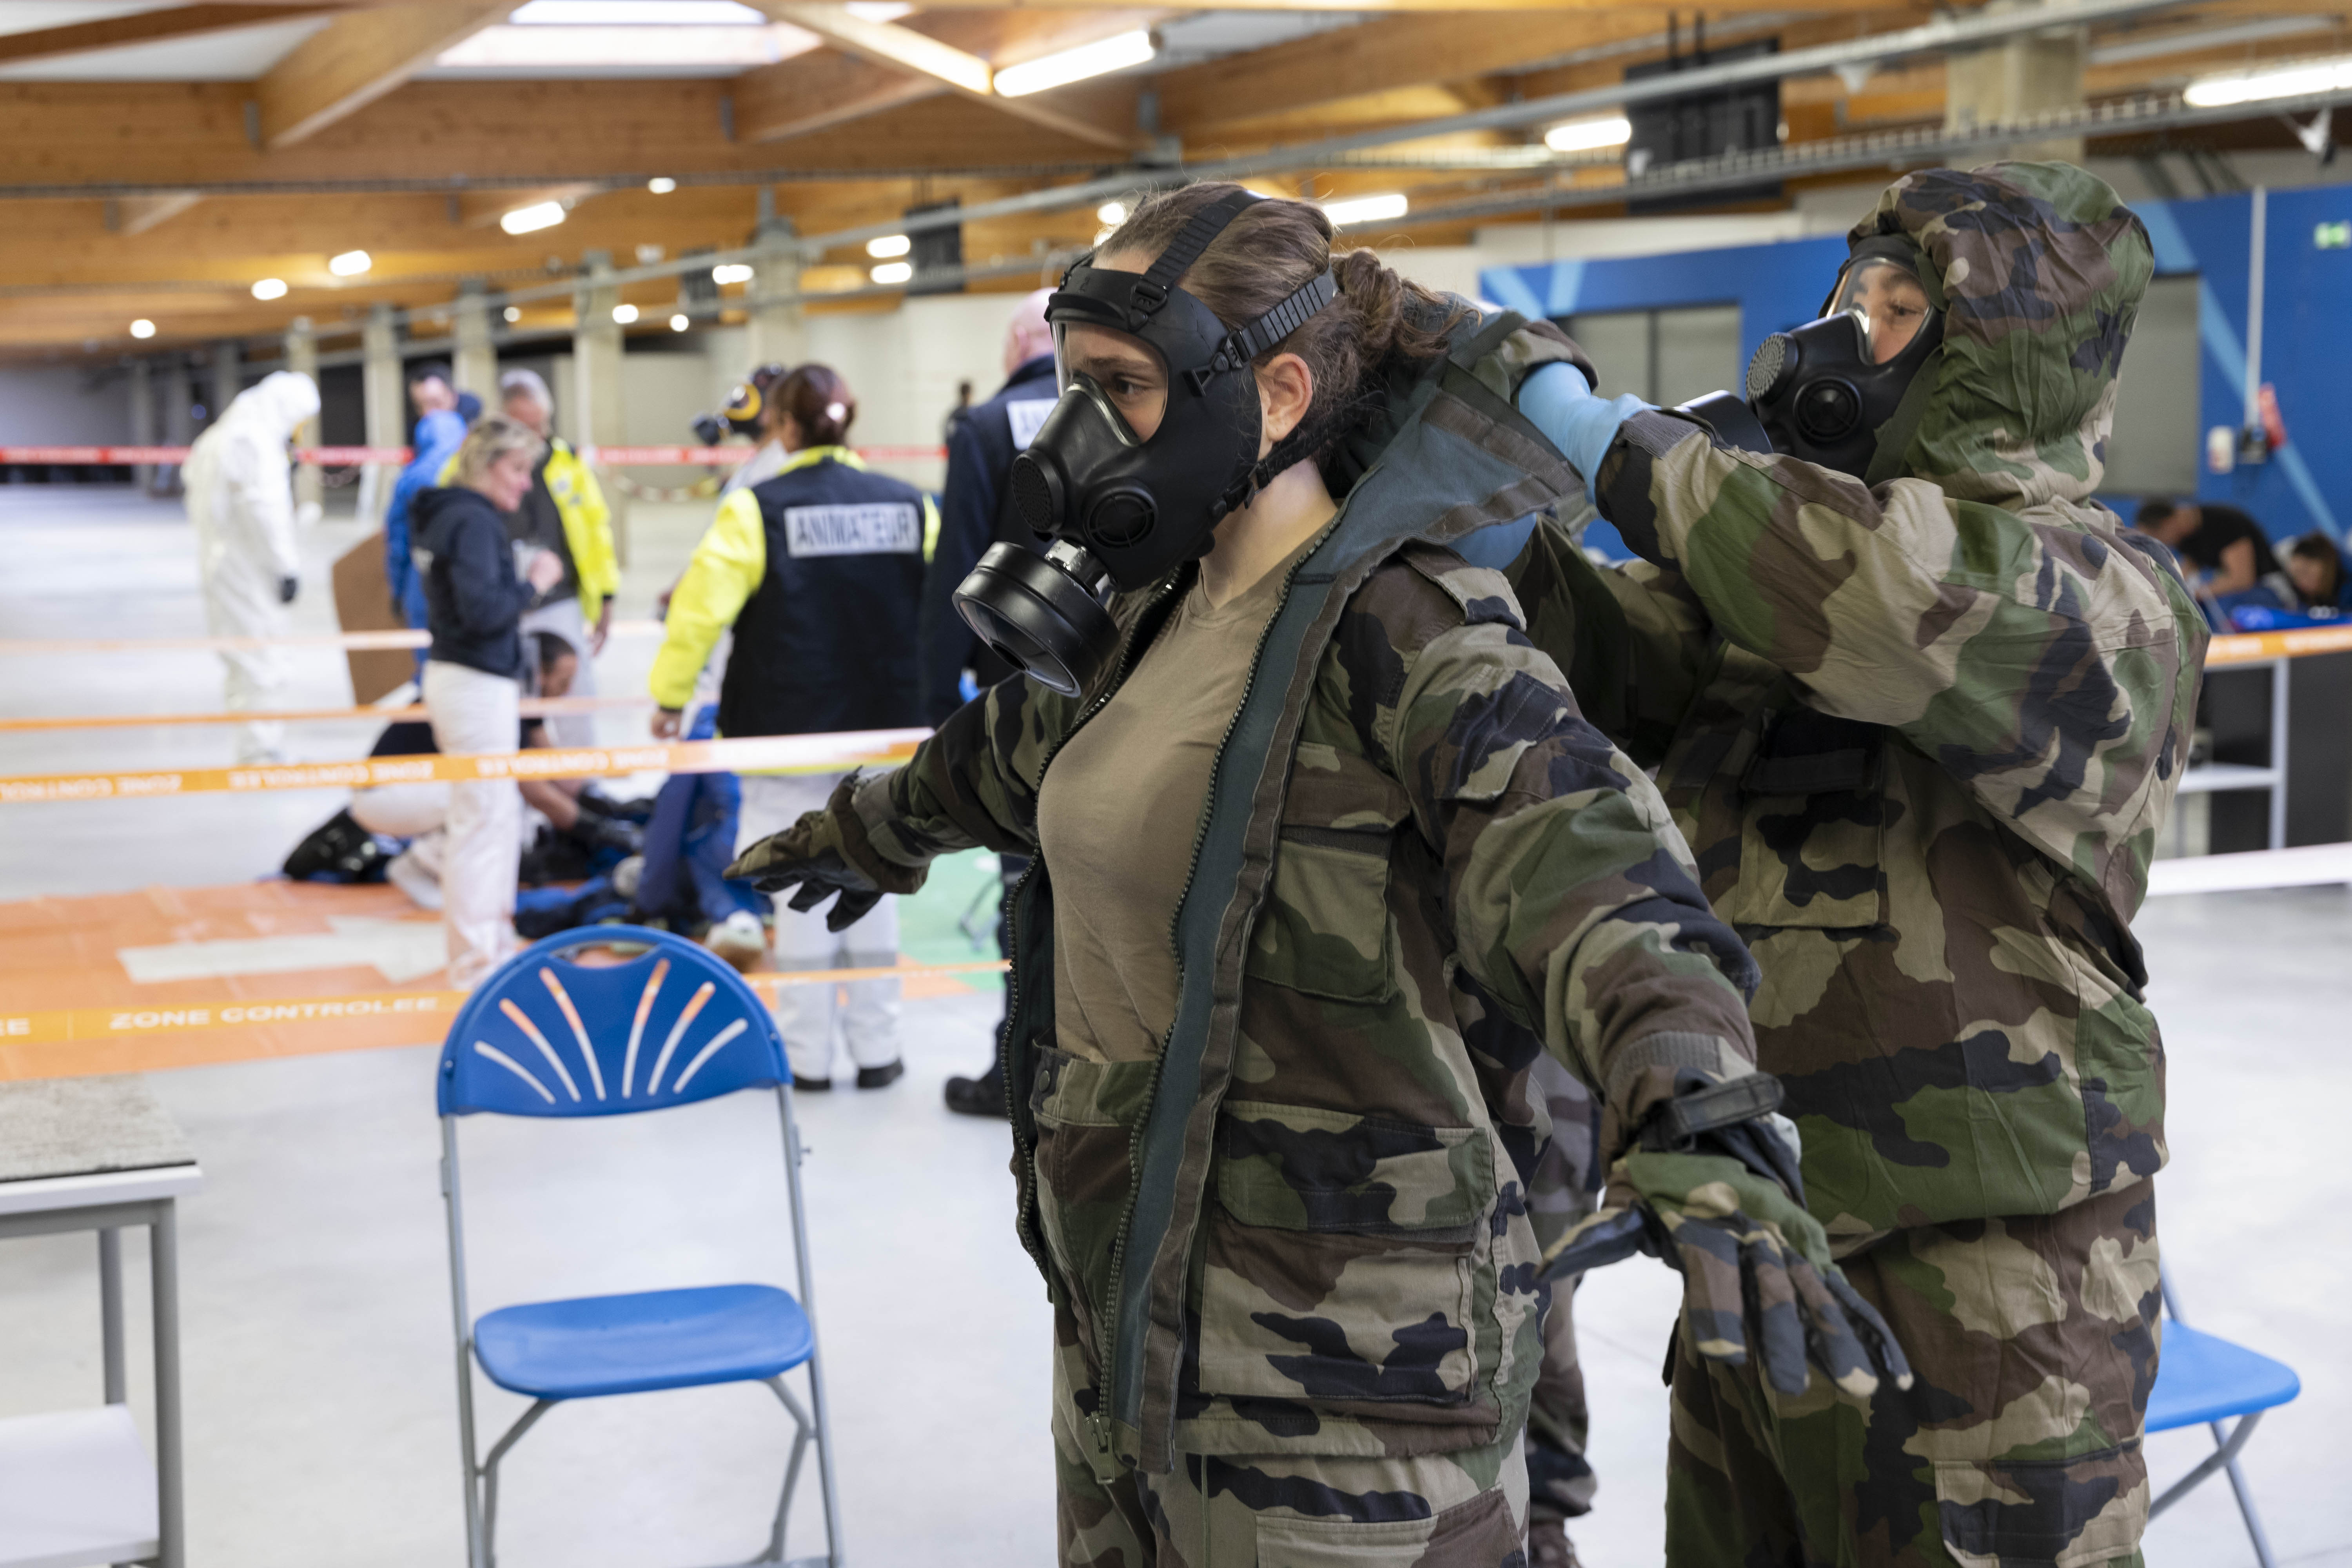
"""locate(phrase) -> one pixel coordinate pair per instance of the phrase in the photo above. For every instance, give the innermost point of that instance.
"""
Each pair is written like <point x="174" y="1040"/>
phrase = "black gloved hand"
<point x="287" y="589"/>
<point x="592" y="832"/>
<point x="1725" y="1208"/>
<point x="824" y="853"/>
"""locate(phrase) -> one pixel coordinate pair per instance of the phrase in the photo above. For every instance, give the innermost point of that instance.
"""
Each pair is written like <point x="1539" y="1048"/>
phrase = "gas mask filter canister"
<point x="1119" y="509"/>
<point x="1827" y="391"/>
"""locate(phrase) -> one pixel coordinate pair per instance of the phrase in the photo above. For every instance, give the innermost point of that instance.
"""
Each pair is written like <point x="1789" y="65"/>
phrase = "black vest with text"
<point x="827" y="640"/>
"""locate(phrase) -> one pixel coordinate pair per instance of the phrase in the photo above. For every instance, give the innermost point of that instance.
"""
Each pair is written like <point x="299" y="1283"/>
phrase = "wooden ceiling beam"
<point x="357" y="59"/>
<point x="148" y="28"/>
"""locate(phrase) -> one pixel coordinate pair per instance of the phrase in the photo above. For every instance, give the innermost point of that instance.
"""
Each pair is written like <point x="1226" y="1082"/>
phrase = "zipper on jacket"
<point x="1026" y="1149"/>
<point x="1107" y="1333"/>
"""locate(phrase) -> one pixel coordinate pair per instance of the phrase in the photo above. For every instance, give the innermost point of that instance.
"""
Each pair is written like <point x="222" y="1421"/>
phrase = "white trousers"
<point x="865" y="1013"/>
<point x="563" y="618"/>
<point x="473" y="712"/>
<point x="239" y="603"/>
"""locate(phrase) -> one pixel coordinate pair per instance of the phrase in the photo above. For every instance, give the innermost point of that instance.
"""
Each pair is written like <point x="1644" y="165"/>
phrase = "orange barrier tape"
<point x="2260" y="648"/>
<point x="344" y="457"/>
<point x="532" y="708"/>
<point x="31" y="647"/>
<point x="757" y="753"/>
<point x="53" y="1025"/>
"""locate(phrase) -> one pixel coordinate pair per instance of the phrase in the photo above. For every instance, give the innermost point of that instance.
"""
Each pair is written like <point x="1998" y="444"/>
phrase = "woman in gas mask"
<point x="1920" y="704"/>
<point x="1326" y="856"/>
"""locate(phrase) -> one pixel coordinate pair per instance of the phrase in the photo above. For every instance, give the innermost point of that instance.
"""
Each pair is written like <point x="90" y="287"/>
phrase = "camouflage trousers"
<point x="1462" y="1510"/>
<point x="1561" y="1192"/>
<point x="2034" y="1342"/>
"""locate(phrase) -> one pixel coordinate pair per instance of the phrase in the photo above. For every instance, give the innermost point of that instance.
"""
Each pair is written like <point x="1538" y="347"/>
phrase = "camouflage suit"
<point x="1292" y="1261"/>
<point x="1921" y="736"/>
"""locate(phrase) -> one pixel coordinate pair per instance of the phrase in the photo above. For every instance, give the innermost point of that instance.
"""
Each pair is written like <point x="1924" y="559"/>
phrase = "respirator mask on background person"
<point x="747" y="406"/>
<point x="1830" y="391"/>
<point x="1154" y="440"/>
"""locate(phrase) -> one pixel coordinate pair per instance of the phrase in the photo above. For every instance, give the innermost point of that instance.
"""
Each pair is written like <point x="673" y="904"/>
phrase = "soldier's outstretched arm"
<point x="974" y="784"/>
<point x="2048" y="661"/>
<point x="1634" y="638"/>
<point x="1577" y="909"/>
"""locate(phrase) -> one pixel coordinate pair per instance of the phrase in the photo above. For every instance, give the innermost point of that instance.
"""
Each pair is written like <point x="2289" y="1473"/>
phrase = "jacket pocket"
<point x="1085" y="1113"/>
<point x="1325" y="929"/>
<point x="1341" y="1260"/>
<point x="2062" y="1513"/>
<point x="1813" y="826"/>
<point x="1479" y="1531"/>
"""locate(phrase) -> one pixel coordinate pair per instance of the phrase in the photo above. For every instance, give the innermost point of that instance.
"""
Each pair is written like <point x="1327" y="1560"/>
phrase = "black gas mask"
<point x="747" y="406"/>
<point x="1119" y="509"/>
<point x="1830" y="391"/>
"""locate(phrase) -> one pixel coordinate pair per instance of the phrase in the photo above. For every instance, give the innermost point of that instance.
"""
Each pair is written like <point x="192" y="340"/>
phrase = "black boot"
<point x="882" y="1077"/>
<point x="981" y="1096"/>
<point x="811" y="1085"/>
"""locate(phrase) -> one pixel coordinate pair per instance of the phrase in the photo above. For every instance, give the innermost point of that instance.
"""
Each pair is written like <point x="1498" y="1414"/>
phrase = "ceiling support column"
<point x="383" y="400"/>
<point x="303" y="356"/>
<point x="475" y="362"/>
<point x="2022" y="76"/>
<point x="596" y="359"/>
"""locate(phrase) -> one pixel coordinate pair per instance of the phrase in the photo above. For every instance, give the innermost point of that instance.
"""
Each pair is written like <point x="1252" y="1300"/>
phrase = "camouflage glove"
<point x="826" y="852"/>
<point x="1724" y="1212"/>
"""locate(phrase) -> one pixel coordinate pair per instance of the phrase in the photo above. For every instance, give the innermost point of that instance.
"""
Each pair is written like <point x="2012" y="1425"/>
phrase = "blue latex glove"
<point x="1574" y="418"/>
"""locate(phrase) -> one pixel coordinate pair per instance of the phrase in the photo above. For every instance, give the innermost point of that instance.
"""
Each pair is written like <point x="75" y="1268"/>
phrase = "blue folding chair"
<point x="547" y="1036"/>
<point x="2202" y="1377"/>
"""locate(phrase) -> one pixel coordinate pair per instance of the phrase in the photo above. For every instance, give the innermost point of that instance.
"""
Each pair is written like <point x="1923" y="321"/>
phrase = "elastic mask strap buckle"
<point x="1241" y="347"/>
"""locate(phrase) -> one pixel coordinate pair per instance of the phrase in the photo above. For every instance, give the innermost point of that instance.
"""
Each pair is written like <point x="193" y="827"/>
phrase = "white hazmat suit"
<point x="240" y="495"/>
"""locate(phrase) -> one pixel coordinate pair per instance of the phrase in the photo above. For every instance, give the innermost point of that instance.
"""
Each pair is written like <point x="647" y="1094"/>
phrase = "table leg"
<point x="110" y="1313"/>
<point x="164" y="1271"/>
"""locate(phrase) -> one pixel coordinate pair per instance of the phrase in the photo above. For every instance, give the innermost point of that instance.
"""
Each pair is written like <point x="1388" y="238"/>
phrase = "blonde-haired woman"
<point x="474" y="603"/>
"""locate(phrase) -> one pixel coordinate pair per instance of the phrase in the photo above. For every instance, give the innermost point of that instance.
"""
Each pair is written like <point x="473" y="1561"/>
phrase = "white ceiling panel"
<point x="237" y="54"/>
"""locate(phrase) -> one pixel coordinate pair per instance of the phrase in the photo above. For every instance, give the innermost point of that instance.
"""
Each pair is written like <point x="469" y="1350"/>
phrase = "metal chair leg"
<point x="490" y="1477"/>
<point x="2254" y="1530"/>
<point x="805" y="1430"/>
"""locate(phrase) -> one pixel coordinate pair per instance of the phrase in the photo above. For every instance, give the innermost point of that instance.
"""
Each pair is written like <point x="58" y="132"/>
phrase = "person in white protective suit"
<point x="240" y="492"/>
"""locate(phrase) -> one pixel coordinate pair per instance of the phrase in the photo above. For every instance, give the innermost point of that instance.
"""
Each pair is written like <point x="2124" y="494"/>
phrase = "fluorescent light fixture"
<point x="661" y="184"/>
<point x="532" y="218"/>
<point x="678" y="322"/>
<point x="1588" y="136"/>
<point x="142" y="327"/>
<point x="269" y="288"/>
<point x="2283" y="82"/>
<point x="731" y="272"/>
<point x="625" y="314"/>
<point x="888" y="245"/>
<point x="513" y="313"/>
<point x="350" y="264"/>
<point x="1075" y="65"/>
<point x="893" y="272"/>
<point x="1364" y="209"/>
<point x="635" y="14"/>
<point x="1110" y="215"/>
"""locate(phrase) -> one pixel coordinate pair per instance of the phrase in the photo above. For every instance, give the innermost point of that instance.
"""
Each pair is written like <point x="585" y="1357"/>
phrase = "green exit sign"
<point x="2333" y="237"/>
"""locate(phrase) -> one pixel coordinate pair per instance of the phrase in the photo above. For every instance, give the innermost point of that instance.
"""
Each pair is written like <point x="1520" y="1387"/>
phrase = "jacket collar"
<point x="1038" y="369"/>
<point x="809" y="455"/>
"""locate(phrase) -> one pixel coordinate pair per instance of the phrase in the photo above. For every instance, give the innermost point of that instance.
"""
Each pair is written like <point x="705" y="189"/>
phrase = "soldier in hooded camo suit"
<point x="1921" y="735"/>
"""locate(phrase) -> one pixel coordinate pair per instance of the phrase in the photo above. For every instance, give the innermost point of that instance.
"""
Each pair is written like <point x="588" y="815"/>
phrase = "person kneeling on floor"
<point x="582" y="824"/>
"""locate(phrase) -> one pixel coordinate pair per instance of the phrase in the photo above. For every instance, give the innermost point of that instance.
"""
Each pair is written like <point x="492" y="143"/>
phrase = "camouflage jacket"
<point x="1922" y="736"/>
<point x="1304" y="1227"/>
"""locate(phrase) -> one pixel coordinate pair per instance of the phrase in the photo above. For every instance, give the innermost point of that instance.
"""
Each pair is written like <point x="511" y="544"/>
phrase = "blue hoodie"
<point x="438" y="435"/>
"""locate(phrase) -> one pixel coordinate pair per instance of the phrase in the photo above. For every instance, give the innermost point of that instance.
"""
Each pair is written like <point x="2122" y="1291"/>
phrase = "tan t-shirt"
<point x="1117" y="816"/>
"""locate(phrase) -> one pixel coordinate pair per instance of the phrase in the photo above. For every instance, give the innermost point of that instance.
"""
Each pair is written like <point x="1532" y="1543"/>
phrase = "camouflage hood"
<point x="2039" y="269"/>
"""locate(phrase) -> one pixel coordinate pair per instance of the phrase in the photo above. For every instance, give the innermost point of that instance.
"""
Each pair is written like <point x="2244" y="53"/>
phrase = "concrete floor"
<point x="321" y="1412"/>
